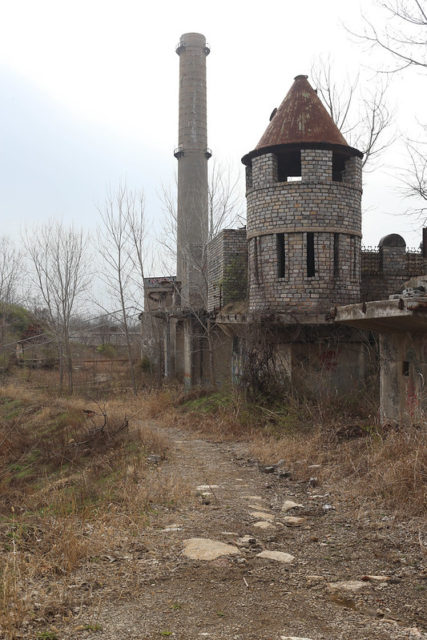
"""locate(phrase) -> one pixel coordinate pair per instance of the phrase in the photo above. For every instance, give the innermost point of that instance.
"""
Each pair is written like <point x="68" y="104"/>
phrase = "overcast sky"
<point x="89" y="97"/>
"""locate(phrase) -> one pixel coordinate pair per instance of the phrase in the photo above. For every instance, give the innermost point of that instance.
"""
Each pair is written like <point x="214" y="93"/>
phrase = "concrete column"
<point x="192" y="154"/>
<point x="188" y="354"/>
<point x="179" y="350"/>
<point x="403" y="377"/>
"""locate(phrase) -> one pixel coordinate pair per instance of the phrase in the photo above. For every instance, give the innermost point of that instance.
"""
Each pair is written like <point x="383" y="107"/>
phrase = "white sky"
<point x="89" y="97"/>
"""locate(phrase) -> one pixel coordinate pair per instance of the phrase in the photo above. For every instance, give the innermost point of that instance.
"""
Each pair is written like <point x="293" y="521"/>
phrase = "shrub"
<point x="107" y="350"/>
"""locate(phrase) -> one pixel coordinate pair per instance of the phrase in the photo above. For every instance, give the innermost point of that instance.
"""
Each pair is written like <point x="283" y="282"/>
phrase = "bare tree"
<point x="58" y="257"/>
<point x="225" y="209"/>
<point x="10" y="270"/>
<point x="10" y="275"/>
<point x="224" y="199"/>
<point x="415" y="178"/>
<point x="121" y="246"/>
<point x="362" y="115"/>
<point x="402" y="36"/>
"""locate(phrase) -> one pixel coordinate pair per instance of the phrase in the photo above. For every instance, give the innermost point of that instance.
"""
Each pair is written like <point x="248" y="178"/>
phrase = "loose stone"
<point x="263" y="515"/>
<point x="205" y="549"/>
<point x="346" y="585"/>
<point x="263" y="524"/>
<point x="328" y="507"/>
<point x="246" y="541"/>
<point x="207" y="487"/>
<point x="290" y="504"/>
<point x="293" y="521"/>
<point x="258" y="506"/>
<point x="280" y="556"/>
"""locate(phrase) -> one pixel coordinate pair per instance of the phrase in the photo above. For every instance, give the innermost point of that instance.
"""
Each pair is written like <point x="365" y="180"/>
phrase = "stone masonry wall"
<point x="316" y="165"/>
<point x="309" y="205"/>
<point x="295" y="291"/>
<point x="227" y="268"/>
<point x="385" y="272"/>
<point x="328" y="209"/>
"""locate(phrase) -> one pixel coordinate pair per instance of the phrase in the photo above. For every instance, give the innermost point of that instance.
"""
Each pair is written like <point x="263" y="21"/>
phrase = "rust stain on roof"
<point x="301" y="118"/>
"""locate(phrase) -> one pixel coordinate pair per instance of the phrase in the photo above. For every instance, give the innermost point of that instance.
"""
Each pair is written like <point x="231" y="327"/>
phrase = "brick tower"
<point x="192" y="154"/>
<point x="303" y="189"/>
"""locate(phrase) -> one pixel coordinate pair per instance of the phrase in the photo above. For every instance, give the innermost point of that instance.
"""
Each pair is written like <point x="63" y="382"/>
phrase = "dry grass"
<point x="390" y="466"/>
<point x="75" y="486"/>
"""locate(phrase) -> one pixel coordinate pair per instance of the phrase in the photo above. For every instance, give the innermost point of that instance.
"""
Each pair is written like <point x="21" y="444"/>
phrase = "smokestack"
<point x="192" y="154"/>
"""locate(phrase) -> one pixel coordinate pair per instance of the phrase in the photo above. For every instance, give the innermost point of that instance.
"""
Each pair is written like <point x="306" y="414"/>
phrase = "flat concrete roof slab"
<point x="402" y="314"/>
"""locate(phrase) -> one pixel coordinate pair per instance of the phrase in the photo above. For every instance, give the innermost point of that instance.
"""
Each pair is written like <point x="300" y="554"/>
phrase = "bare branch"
<point x="403" y="37"/>
<point x="363" y="117"/>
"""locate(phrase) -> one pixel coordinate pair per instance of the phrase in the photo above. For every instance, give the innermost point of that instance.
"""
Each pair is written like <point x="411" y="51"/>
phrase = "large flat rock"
<point x="206" y="549"/>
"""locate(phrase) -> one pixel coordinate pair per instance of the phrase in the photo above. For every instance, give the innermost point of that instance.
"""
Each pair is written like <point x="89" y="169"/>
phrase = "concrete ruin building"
<point x="296" y="278"/>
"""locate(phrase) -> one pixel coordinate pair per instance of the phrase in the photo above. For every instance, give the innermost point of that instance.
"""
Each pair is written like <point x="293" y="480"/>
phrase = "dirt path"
<point x="244" y="596"/>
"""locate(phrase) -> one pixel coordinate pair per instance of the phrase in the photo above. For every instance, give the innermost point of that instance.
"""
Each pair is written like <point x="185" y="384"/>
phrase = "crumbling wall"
<point x="385" y="271"/>
<point x="312" y="360"/>
<point x="227" y="268"/>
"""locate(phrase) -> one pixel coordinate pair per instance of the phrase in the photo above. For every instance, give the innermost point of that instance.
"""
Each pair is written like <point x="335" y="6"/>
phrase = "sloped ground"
<point x="145" y="587"/>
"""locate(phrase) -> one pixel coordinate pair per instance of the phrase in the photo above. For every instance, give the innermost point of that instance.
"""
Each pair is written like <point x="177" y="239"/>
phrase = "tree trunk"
<point x="69" y="361"/>
<point x="61" y="366"/>
<point x="210" y="353"/>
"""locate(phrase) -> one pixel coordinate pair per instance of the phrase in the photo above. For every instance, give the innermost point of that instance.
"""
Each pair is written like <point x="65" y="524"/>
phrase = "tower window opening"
<point x="338" y="167"/>
<point x="354" y="259"/>
<point x="256" y="263"/>
<point x="289" y="166"/>
<point x="336" y="255"/>
<point x="249" y="177"/>
<point x="280" y="246"/>
<point x="311" y="265"/>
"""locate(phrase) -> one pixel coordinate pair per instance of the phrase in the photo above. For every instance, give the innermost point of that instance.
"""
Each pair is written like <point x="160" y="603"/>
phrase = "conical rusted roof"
<point x="301" y="118"/>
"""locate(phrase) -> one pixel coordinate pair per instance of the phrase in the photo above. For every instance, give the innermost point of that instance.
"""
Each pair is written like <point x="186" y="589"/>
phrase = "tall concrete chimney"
<point x="192" y="154"/>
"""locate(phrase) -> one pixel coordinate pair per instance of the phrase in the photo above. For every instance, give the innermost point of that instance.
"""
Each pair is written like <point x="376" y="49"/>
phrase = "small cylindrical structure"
<point x="192" y="154"/>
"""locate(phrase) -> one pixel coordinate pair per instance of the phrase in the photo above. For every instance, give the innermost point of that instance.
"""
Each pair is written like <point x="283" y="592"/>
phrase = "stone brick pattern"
<point x="289" y="206"/>
<point x="317" y="204"/>
<point x="353" y="172"/>
<point x="296" y="291"/>
<point x="316" y="165"/>
<point x="264" y="171"/>
<point x="385" y="271"/>
<point x="227" y="268"/>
